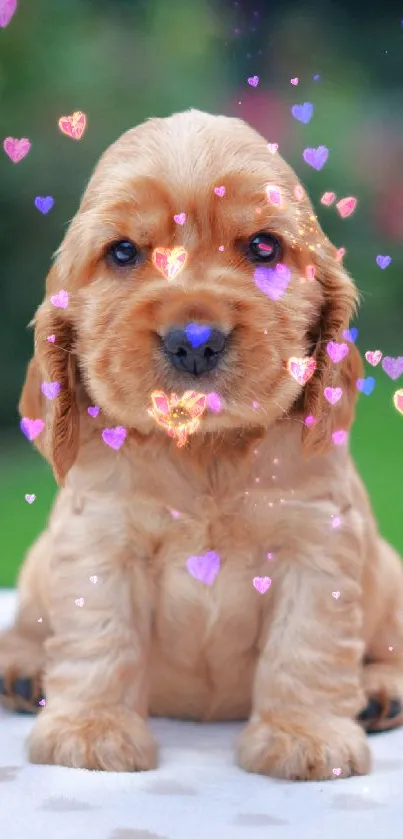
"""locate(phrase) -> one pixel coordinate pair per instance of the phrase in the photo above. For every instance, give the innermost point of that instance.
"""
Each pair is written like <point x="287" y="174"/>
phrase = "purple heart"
<point x="272" y="281"/>
<point x="253" y="81"/>
<point x="316" y="157"/>
<point x="205" y="567"/>
<point x="383" y="261"/>
<point x="93" y="411"/>
<point x="50" y="389"/>
<point x="7" y="10"/>
<point x="366" y="385"/>
<point x="197" y="334"/>
<point x="31" y="428"/>
<point x="316" y="78"/>
<point x="44" y="204"/>
<point x="114" y="437"/>
<point x="303" y="113"/>
<point x="393" y="366"/>
<point x="351" y="334"/>
<point x="337" y="351"/>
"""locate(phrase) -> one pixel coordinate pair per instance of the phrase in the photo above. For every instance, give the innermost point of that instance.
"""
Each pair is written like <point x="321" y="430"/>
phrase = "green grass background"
<point x="377" y="445"/>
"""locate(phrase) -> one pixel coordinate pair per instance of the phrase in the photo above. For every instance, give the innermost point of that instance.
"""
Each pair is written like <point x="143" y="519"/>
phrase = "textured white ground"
<point x="197" y="792"/>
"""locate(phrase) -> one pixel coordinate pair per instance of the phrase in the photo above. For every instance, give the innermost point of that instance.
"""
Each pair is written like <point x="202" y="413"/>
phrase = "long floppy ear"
<point x="340" y="300"/>
<point x="53" y="364"/>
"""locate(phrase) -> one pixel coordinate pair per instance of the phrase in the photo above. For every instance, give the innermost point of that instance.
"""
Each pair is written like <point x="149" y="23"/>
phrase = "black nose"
<point x="195" y="348"/>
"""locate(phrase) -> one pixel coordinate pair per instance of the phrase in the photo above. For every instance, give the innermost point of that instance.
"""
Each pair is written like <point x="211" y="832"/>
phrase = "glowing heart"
<point x="169" y="262"/>
<point x="333" y="394"/>
<point x="253" y="81"/>
<point x="316" y="157"/>
<point x="114" y="437"/>
<point x="336" y="771"/>
<point x="328" y="198"/>
<point x="205" y="567"/>
<point x="272" y="281"/>
<point x="219" y="190"/>
<point x="337" y="351"/>
<point x="93" y="410"/>
<point x="393" y="367"/>
<point x="294" y="81"/>
<point x="373" y="357"/>
<point x="7" y="10"/>
<point x="261" y="584"/>
<point x="16" y="149"/>
<point x="336" y="594"/>
<point x="301" y="369"/>
<point x="74" y="125"/>
<point x="366" y="386"/>
<point x="339" y="437"/>
<point x="51" y="339"/>
<point x="351" y="334"/>
<point x="214" y="402"/>
<point x="340" y="253"/>
<point x="31" y="428"/>
<point x="383" y="261"/>
<point x="398" y="400"/>
<point x="274" y="195"/>
<point x="273" y="147"/>
<point x="346" y="206"/>
<point x="50" y="389"/>
<point x="180" y="218"/>
<point x="30" y="498"/>
<point x="44" y="204"/>
<point x="60" y="300"/>
<point x="197" y="334"/>
<point x="309" y="421"/>
<point x="303" y="113"/>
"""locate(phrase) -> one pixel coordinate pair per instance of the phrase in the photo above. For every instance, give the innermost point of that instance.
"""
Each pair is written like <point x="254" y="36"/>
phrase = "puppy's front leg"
<point x="96" y="669"/>
<point x="307" y="689"/>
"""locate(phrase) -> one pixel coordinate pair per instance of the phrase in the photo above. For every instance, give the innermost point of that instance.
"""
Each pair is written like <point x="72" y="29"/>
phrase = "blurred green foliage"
<point x="122" y="61"/>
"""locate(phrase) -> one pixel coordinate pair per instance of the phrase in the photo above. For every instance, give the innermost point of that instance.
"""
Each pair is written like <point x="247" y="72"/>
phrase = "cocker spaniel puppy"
<point x="211" y="554"/>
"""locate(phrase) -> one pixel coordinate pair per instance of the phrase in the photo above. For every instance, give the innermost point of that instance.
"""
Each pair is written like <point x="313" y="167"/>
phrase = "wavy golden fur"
<point x="109" y="619"/>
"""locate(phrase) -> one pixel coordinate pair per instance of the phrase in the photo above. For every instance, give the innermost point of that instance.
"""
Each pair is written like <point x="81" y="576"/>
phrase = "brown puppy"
<point x="110" y="619"/>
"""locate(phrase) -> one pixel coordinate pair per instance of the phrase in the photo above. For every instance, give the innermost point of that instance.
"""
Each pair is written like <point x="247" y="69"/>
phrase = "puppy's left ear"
<point x="340" y="301"/>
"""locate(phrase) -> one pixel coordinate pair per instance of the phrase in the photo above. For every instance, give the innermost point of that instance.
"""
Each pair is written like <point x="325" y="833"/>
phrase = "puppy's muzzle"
<point x="195" y="348"/>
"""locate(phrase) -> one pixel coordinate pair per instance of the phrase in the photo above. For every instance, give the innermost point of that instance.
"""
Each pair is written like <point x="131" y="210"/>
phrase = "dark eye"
<point x="264" y="248"/>
<point x="123" y="253"/>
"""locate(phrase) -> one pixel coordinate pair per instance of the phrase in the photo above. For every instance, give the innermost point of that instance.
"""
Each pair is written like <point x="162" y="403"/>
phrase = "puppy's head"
<point x="253" y="282"/>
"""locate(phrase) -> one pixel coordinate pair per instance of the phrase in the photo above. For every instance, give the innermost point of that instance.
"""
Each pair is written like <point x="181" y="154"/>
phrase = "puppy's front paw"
<point x="111" y="739"/>
<point x="304" y="749"/>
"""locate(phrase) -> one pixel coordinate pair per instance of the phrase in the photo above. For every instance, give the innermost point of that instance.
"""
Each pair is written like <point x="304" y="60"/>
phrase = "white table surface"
<point x="197" y="792"/>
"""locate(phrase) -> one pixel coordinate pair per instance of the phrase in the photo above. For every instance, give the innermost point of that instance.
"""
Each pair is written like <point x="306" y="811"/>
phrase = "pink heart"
<point x="309" y="421"/>
<point x="274" y="195"/>
<point x="31" y="428"/>
<point x="261" y="584"/>
<point x="204" y="567"/>
<point x="214" y="402"/>
<point x="339" y="437"/>
<point x="50" y="389"/>
<point x="180" y="218"/>
<point x="273" y="147"/>
<point x="340" y="253"/>
<point x="301" y="369"/>
<point x="336" y="771"/>
<point x="51" y="338"/>
<point x="219" y="190"/>
<point x="333" y="394"/>
<point x="337" y="351"/>
<point x="16" y="149"/>
<point x="7" y="10"/>
<point x="93" y="411"/>
<point x="60" y="300"/>
<point x="336" y="594"/>
<point x="346" y="206"/>
<point x="373" y="357"/>
<point x="328" y="198"/>
<point x="30" y="498"/>
<point x="114" y="437"/>
<point x="253" y="81"/>
<point x="294" y="81"/>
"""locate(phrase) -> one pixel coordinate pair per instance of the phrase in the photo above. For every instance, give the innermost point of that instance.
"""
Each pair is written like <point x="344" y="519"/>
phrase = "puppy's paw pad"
<point x="112" y="740"/>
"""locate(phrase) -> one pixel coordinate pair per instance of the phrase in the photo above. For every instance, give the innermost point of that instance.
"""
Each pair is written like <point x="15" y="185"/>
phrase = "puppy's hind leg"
<point x="22" y="646"/>
<point x="383" y="670"/>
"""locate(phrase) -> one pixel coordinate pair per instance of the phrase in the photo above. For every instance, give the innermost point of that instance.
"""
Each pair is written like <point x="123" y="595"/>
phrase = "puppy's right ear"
<point x="53" y="364"/>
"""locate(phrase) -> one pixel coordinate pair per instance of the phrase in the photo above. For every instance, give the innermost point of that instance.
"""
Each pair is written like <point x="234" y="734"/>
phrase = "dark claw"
<point x="395" y="709"/>
<point x="22" y="688"/>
